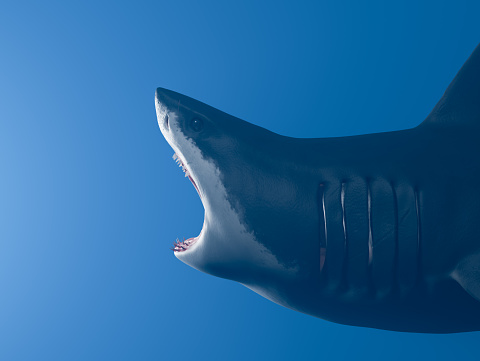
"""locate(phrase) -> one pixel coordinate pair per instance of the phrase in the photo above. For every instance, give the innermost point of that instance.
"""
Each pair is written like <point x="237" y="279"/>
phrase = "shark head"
<point x="224" y="158"/>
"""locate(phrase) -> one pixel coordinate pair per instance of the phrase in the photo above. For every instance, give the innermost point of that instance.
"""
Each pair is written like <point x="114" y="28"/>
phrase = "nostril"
<point x="166" y="121"/>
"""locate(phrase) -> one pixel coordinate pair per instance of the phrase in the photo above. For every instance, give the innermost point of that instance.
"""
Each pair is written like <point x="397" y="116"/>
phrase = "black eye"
<point x="196" y="124"/>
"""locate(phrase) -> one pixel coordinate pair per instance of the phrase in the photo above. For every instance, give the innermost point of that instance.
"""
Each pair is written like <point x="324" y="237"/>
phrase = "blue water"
<point x="91" y="201"/>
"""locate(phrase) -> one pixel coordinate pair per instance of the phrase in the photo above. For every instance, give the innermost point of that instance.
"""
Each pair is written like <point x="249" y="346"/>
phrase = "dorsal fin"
<point x="461" y="102"/>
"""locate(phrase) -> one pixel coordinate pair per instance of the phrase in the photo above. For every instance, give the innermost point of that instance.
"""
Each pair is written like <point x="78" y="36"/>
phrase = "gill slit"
<point x="419" y="237"/>
<point x="370" y="240"/>
<point x="370" y="280"/>
<point x="345" y="237"/>
<point x="323" y="228"/>
<point x="396" y="283"/>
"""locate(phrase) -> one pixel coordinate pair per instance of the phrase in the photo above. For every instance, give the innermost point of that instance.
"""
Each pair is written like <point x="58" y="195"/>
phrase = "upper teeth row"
<point x="177" y="159"/>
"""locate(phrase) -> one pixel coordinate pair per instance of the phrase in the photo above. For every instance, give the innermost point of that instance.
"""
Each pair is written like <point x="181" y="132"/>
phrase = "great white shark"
<point x="378" y="230"/>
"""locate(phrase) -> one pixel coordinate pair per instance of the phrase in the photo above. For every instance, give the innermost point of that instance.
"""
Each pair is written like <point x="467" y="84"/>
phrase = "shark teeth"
<point x="188" y="175"/>
<point x="177" y="159"/>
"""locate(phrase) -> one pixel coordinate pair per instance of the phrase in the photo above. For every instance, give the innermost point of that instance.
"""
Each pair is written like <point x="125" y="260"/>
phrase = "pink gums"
<point x="181" y="246"/>
<point x="194" y="184"/>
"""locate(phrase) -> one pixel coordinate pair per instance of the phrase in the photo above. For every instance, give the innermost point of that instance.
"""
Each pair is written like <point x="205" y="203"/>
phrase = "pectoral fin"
<point x="467" y="274"/>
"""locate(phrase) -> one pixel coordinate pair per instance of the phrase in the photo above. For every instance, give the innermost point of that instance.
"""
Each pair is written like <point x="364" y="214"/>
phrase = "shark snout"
<point x="168" y="104"/>
<point x="163" y="104"/>
<point x="167" y="99"/>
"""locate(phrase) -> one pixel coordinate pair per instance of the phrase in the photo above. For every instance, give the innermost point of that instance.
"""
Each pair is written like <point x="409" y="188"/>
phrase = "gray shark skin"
<point x="378" y="230"/>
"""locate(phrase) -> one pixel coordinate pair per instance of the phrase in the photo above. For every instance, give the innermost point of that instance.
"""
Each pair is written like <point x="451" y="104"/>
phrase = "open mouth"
<point x="183" y="245"/>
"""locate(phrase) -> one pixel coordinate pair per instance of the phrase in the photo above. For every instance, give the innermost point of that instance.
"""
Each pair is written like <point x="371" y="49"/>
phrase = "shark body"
<point x="378" y="230"/>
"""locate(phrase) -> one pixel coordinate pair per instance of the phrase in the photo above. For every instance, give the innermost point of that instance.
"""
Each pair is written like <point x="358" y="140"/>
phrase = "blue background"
<point x="91" y="201"/>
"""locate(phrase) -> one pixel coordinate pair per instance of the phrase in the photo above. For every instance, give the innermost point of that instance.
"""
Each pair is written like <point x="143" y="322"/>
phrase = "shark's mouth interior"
<point x="183" y="245"/>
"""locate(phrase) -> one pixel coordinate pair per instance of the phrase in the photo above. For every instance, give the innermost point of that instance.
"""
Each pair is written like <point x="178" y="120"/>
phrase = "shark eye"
<point x="196" y="124"/>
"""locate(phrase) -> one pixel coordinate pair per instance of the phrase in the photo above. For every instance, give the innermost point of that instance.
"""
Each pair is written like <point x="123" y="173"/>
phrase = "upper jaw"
<point x="167" y="121"/>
